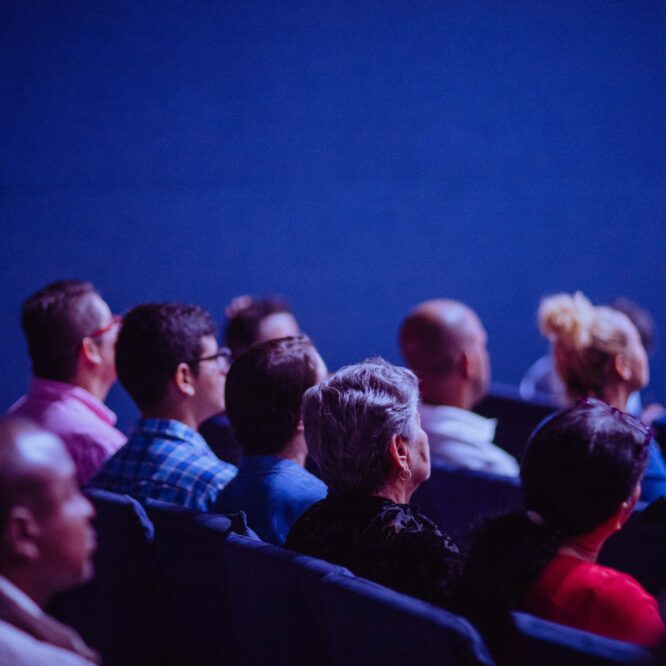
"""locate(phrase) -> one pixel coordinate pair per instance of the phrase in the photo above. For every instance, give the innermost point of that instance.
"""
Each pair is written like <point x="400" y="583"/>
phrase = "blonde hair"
<point x="586" y="339"/>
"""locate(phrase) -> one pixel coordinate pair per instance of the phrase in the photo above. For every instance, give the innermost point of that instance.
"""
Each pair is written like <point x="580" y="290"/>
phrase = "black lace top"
<point x="392" y="544"/>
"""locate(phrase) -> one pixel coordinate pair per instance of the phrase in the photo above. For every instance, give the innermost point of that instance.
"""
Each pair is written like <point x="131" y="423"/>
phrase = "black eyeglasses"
<point x="224" y="354"/>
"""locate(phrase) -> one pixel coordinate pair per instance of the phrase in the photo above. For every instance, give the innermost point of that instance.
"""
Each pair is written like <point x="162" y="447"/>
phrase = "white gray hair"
<point x="350" y="418"/>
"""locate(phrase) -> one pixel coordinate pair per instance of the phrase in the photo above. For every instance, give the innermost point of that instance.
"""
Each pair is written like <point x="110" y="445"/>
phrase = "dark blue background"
<point x="357" y="157"/>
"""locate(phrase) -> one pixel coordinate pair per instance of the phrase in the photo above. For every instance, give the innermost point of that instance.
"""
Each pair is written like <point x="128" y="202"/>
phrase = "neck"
<point x="25" y="581"/>
<point x="579" y="551"/>
<point x="94" y="385"/>
<point x="178" y="412"/>
<point x="587" y="546"/>
<point x="616" y="395"/>
<point x="399" y="494"/>
<point x="296" y="449"/>
<point x="447" y="391"/>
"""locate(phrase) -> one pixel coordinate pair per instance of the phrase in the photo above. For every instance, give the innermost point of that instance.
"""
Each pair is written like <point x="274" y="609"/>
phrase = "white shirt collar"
<point x="19" y="597"/>
<point x="465" y="424"/>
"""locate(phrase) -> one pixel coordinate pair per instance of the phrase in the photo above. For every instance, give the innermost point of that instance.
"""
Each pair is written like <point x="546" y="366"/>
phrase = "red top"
<point x="587" y="596"/>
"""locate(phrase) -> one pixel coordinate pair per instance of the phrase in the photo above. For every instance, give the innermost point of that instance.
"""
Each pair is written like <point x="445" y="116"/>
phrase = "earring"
<point x="405" y="474"/>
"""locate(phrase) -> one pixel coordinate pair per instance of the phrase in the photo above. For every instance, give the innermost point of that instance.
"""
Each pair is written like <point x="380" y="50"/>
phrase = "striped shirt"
<point x="166" y="460"/>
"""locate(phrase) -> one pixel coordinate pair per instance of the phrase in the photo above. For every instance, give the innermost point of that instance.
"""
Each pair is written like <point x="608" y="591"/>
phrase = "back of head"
<point x="350" y="418"/>
<point x="20" y="453"/>
<point x="264" y="390"/>
<point x="55" y="320"/>
<point x="444" y="343"/>
<point x="432" y="336"/>
<point x="153" y="340"/>
<point x="245" y="316"/>
<point x="585" y="340"/>
<point x="580" y="465"/>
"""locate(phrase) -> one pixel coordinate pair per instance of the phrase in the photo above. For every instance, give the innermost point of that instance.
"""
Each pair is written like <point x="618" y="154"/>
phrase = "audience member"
<point x="249" y="321"/>
<point x="169" y="362"/>
<point x="362" y="428"/>
<point x="46" y="546"/>
<point x="71" y="335"/>
<point x="542" y="381"/>
<point x="597" y="352"/>
<point x="264" y="389"/>
<point x="581" y="476"/>
<point x="444" y="343"/>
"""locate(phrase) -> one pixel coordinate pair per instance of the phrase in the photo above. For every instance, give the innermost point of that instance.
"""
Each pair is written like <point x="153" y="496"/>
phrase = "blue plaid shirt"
<point x="166" y="460"/>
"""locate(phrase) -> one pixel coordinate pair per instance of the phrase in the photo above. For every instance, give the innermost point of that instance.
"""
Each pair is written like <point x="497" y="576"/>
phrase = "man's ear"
<point x="21" y="533"/>
<point x="184" y="379"/>
<point x="466" y="364"/>
<point x="89" y="352"/>
<point x="299" y="426"/>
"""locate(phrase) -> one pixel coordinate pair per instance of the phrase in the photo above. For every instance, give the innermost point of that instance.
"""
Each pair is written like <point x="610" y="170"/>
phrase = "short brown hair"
<point x="55" y="320"/>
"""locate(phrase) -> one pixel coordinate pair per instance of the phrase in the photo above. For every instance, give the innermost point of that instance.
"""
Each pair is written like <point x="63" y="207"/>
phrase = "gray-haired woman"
<point x="362" y="428"/>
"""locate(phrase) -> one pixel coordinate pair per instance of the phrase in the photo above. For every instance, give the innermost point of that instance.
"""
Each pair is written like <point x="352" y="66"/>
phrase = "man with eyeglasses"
<point x="71" y="336"/>
<point x="169" y="362"/>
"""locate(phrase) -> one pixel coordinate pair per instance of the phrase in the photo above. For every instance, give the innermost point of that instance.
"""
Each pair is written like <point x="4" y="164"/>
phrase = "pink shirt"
<point x="84" y="423"/>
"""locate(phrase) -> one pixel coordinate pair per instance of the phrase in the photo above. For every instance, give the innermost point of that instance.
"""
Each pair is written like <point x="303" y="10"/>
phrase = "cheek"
<point x="71" y="548"/>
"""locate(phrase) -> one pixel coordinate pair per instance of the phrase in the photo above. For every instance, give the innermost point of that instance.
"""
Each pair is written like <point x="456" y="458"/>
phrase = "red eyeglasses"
<point x="115" y="321"/>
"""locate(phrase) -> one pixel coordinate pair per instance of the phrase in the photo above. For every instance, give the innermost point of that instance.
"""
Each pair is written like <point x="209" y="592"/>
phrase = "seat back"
<point x="639" y="548"/>
<point x="456" y="498"/>
<point x="368" y="624"/>
<point x="516" y="417"/>
<point x="274" y="603"/>
<point x="548" y="644"/>
<point x="122" y="612"/>
<point x="189" y="550"/>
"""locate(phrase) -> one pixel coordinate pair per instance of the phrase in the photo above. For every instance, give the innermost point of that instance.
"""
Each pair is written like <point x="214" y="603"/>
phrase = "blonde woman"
<point x="598" y="353"/>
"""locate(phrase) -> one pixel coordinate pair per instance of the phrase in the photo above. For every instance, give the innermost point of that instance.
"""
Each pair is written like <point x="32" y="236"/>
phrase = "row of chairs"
<point x="175" y="587"/>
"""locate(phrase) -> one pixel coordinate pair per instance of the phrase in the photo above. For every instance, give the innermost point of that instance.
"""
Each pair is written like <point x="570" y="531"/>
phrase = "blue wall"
<point x="356" y="157"/>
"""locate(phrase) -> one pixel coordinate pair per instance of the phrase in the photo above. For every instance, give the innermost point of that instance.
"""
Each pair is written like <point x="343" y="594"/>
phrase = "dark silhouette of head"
<point x="264" y="390"/>
<point x="155" y="338"/>
<point x="69" y="328"/>
<point x="251" y="320"/>
<point x="580" y="472"/>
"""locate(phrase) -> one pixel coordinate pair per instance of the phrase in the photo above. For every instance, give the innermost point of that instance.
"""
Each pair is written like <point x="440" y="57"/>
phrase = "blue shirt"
<point x="654" y="481"/>
<point x="273" y="492"/>
<point x="166" y="460"/>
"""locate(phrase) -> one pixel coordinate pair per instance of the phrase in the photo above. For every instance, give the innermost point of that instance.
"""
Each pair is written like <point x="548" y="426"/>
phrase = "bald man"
<point x="444" y="344"/>
<point x="46" y="546"/>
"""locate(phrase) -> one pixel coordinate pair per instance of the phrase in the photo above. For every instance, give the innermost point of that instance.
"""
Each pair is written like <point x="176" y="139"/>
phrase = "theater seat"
<point x="639" y="548"/>
<point x="123" y="612"/>
<point x="550" y="644"/>
<point x="189" y="551"/>
<point x="274" y="603"/>
<point x="370" y="624"/>
<point x="516" y="417"/>
<point x="456" y="498"/>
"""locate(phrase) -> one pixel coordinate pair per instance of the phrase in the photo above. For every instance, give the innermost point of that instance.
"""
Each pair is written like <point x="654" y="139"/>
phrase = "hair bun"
<point x="237" y="306"/>
<point x="567" y="318"/>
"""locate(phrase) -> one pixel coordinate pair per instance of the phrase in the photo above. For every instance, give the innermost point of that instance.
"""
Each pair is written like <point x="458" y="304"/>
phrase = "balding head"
<point x="46" y="540"/>
<point x="443" y="342"/>
<point x="26" y="455"/>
